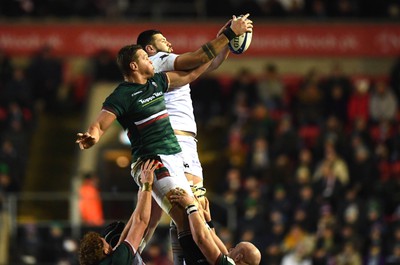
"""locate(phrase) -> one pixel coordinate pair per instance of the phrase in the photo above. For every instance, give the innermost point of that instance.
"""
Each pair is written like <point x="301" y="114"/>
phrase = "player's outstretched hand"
<point x="181" y="197"/>
<point x="85" y="140"/>
<point x="147" y="171"/>
<point x="241" y="24"/>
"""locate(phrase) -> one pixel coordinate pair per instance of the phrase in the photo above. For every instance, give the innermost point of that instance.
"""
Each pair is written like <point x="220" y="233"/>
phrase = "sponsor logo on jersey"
<point x="136" y="93"/>
<point x="151" y="98"/>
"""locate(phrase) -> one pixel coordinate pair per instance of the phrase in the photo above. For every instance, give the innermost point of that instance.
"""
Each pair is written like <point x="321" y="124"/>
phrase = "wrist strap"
<point x="146" y="186"/>
<point x="229" y="33"/>
<point x="210" y="224"/>
<point x="191" y="209"/>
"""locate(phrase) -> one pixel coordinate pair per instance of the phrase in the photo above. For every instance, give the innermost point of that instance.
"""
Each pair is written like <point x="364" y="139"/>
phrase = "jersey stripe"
<point x="152" y="117"/>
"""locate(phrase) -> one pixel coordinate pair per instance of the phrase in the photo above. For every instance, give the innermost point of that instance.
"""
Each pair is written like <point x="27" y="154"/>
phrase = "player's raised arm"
<point x="95" y="130"/>
<point x="211" y="49"/>
<point x="181" y="78"/>
<point x="139" y="220"/>
<point x="201" y="233"/>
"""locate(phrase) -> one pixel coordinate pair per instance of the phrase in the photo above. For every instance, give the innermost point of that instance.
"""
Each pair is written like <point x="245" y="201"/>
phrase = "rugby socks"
<point x="193" y="255"/>
<point x="177" y="251"/>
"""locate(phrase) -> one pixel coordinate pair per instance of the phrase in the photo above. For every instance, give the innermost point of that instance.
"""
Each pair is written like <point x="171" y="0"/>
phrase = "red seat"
<point x="309" y="135"/>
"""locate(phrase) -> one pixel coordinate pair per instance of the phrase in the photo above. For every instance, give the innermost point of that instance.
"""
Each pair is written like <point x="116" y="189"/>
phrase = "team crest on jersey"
<point x="154" y="84"/>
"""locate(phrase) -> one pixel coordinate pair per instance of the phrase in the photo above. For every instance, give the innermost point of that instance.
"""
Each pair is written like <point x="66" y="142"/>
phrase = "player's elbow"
<point x="141" y="221"/>
<point x="200" y="239"/>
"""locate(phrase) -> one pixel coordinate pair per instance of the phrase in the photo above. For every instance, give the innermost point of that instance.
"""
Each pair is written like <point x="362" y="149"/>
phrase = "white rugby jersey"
<point x="178" y="102"/>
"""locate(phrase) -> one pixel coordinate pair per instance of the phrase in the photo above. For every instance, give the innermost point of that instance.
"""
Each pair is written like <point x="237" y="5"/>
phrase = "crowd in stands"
<point x="145" y="9"/>
<point x="312" y="164"/>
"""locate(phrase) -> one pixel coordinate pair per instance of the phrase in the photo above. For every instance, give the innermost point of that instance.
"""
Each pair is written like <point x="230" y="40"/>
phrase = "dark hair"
<point x="125" y="56"/>
<point x="91" y="249"/>
<point x="146" y="37"/>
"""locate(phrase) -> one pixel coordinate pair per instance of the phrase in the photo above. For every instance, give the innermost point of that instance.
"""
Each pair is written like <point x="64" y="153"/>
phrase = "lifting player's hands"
<point x="147" y="171"/>
<point x="241" y="24"/>
<point x="206" y="209"/>
<point x="181" y="197"/>
<point x="85" y="140"/>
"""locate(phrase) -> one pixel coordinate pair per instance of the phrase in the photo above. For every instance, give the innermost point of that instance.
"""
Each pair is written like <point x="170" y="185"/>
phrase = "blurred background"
<point x="299" y="137"/>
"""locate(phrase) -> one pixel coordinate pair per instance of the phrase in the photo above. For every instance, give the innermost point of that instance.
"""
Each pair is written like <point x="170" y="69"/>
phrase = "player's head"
<point x="93" y="249"/>
<point x="133" y="58"/>
<point x="245" y="253"/>
<point x="153" y="41"/>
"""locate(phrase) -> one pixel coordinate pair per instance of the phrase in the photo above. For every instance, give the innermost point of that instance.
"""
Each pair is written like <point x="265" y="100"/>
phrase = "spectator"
<point x="359" y="129"/>
<point x="325" y="246"/>
<point x="19" y="90"/>
<point x="393" y="258"/>
<point x="282" y="172"/>
<point x="375" y="255"/>
<point x="45" y="74"/>
<point x="338" y="166"/>
<point x="242" y="95"/>
<point x="329" y="188"/>
<point x="90" y="203"/>
<point x="259" y="157"/>
<point x="105" y="68"/>
<point x="270" y="88"/>
<point x="350" y="209"/>
<point x="305" y="200"/>
<point x="6" y="71"/>
<point x="394" y="78"/>
<point x="286" y="139"/>
<point x="349" y="255"/>
<point x="272" y="254"/>
<point x="332" y="134"/>
<point x="383" y="104"/>
<point x="10" y="156"/>
<point x="310" y="99"/>
<point x="358" y="107"/>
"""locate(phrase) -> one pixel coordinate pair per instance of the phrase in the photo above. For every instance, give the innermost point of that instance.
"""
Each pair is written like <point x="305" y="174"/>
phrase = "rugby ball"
<point x="240" y="44"/>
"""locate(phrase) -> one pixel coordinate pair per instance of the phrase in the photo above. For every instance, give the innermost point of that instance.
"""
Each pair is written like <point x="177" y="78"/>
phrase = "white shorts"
<point x="167" y="177"/>
<point x="191" y="159"/>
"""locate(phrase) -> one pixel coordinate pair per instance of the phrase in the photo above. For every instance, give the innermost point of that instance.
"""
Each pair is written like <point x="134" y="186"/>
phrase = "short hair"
<point x="125" y="56"/>
<point x="146" y="37"/>
<point x="91" y="249"/>
<point x="251" y="254"/>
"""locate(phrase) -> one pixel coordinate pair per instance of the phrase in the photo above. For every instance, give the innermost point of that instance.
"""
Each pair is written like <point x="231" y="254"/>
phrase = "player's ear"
<point x="133" y="65"/>
<point x="150" y="49"/>
<point x="238" y="257"/>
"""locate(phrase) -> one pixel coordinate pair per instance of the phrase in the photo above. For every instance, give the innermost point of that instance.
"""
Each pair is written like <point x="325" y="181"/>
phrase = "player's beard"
<point x="168" y="50"/>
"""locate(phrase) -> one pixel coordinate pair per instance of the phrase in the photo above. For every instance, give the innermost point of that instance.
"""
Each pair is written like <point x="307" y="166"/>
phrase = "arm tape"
<point x="209" y="50"/>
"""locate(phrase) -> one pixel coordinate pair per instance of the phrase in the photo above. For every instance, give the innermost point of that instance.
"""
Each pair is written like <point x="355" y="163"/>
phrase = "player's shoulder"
<point x="160" y="56"/>
<point x="163" y="57"/>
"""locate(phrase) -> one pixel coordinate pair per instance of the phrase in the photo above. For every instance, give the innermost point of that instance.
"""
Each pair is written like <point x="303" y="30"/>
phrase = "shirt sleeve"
<point x="114" y="105"/>
<point x="123" y="254"/>
<point x="164" y="61"/>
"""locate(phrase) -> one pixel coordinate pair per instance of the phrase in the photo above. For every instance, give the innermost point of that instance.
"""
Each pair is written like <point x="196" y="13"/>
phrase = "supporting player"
<point x="94" y="249"/>
<point x="244" y="253"/>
